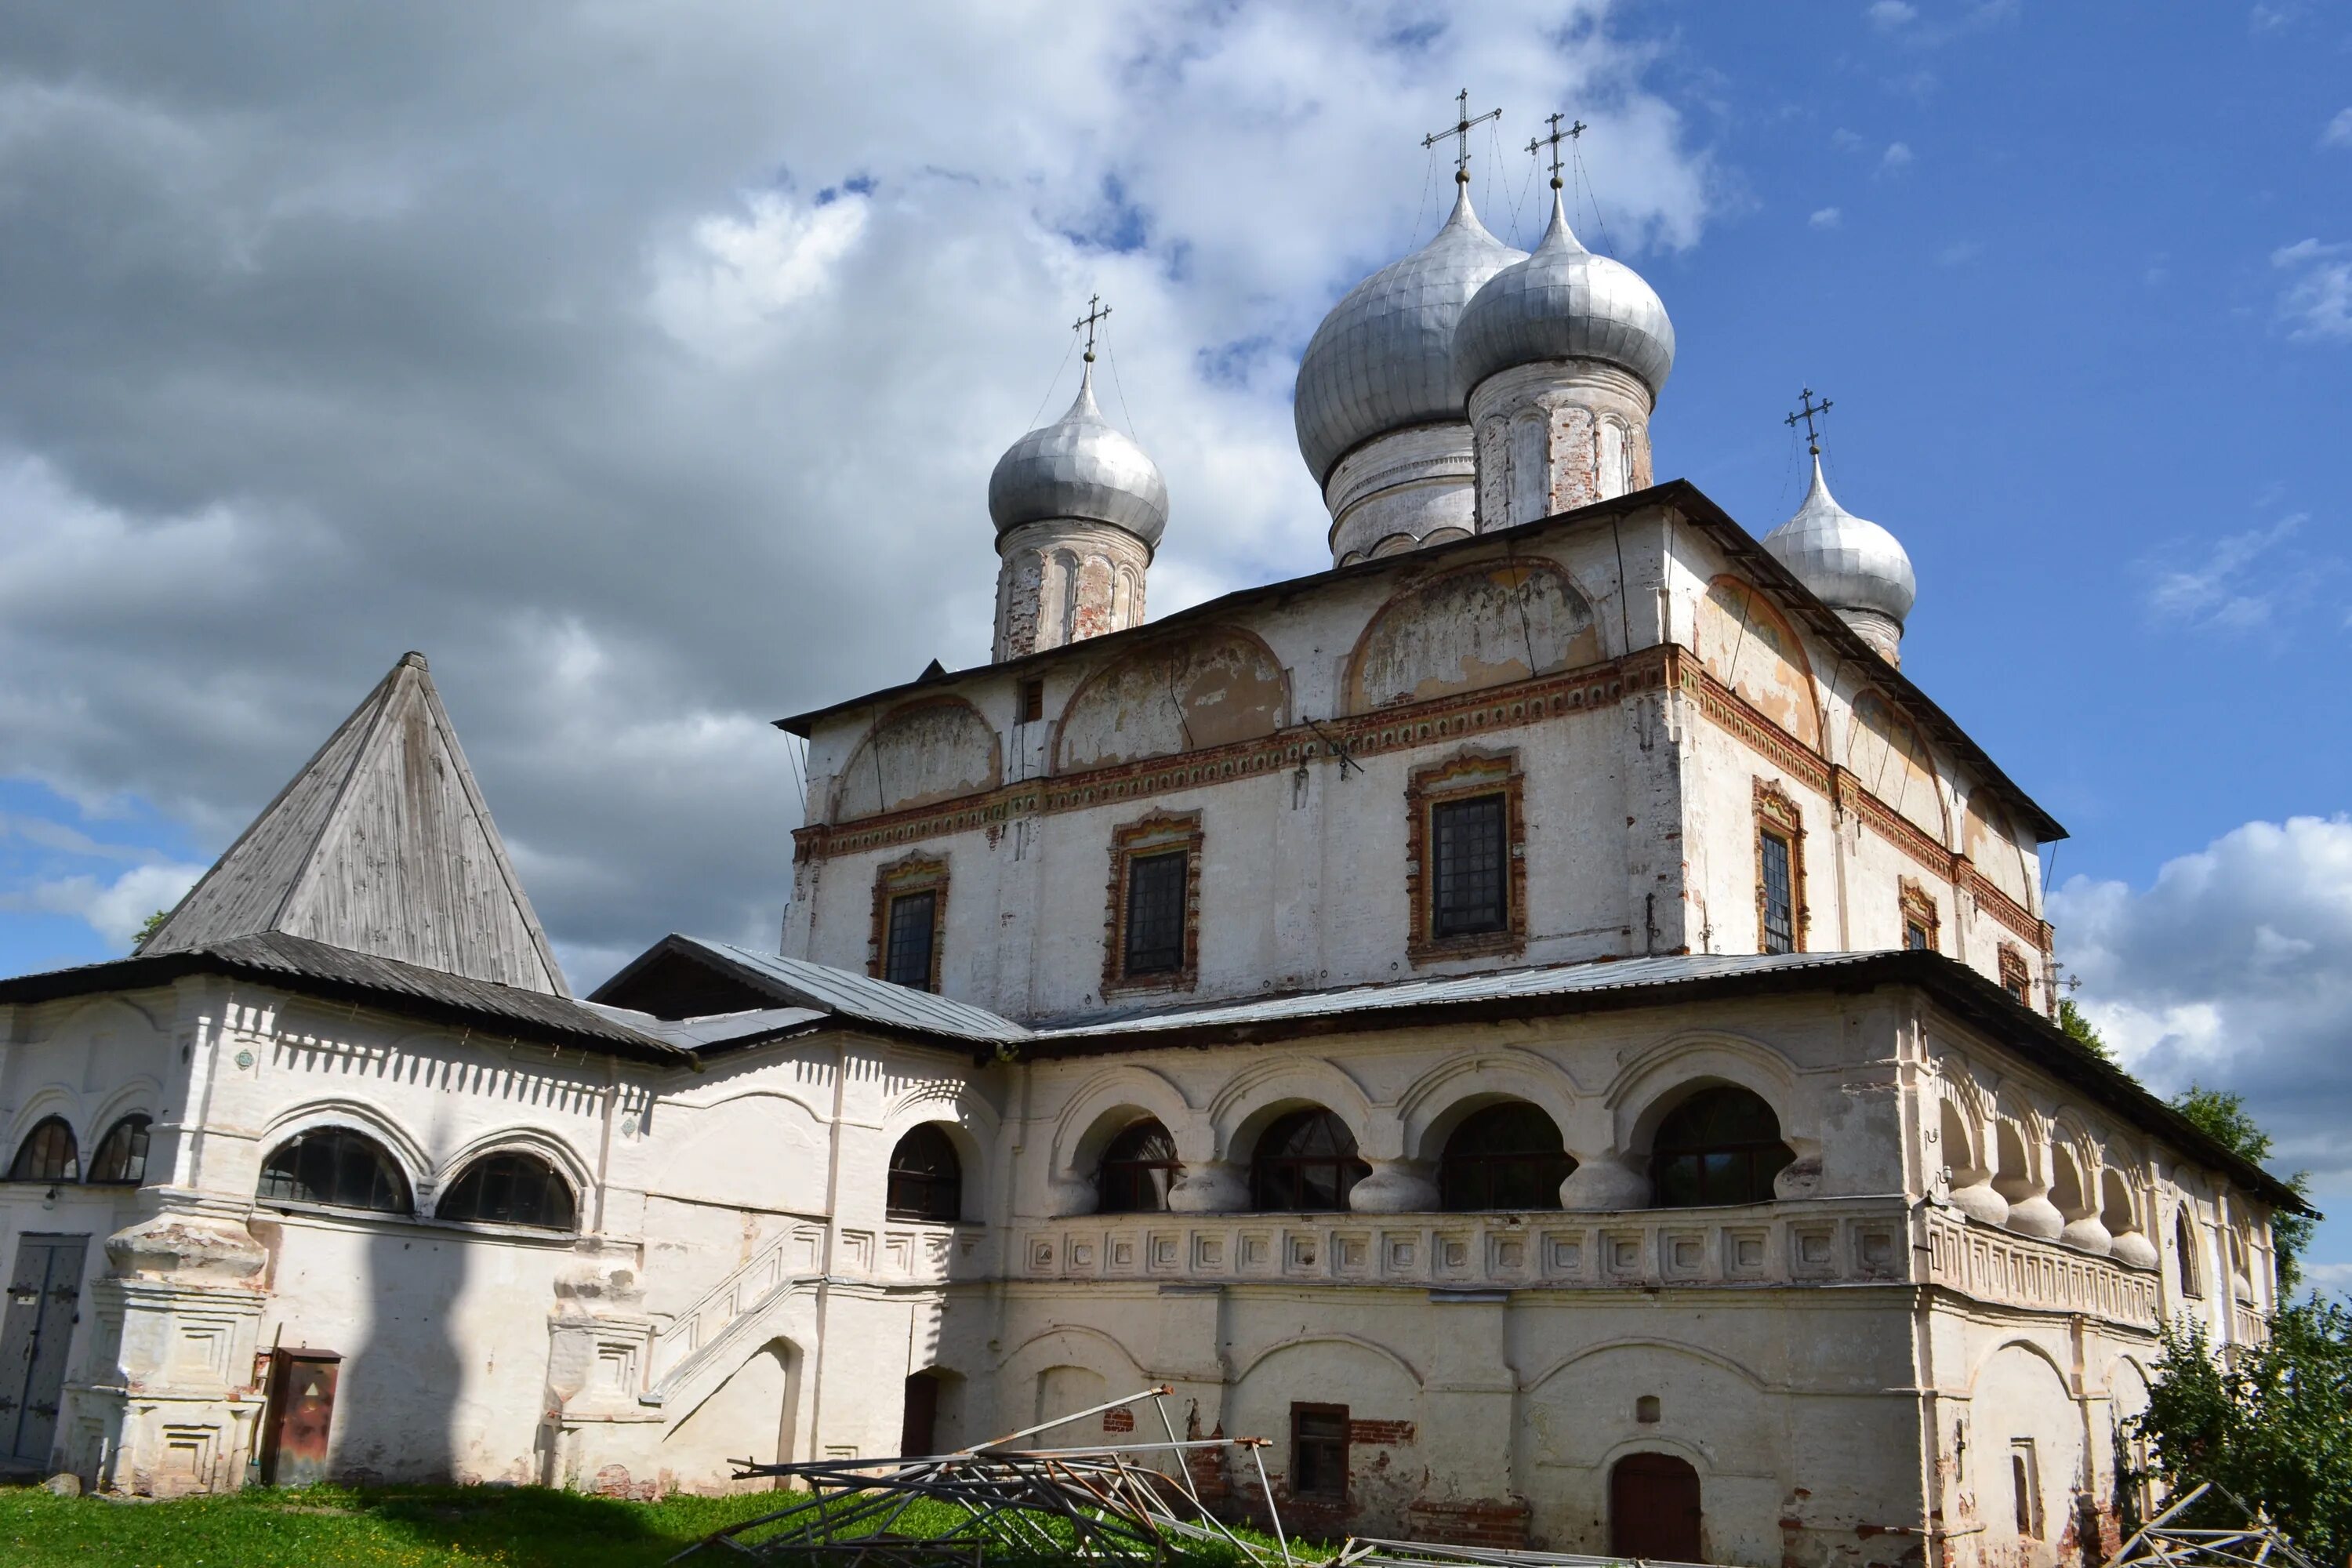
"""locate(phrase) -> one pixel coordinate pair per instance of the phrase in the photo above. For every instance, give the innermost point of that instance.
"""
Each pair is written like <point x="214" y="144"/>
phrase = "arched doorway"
<point x="918" y="1430"/>
<point x="1653" y="1509"/>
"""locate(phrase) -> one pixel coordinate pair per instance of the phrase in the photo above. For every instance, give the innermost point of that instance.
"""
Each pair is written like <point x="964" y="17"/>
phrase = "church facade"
<point x="1543" y="1021"/>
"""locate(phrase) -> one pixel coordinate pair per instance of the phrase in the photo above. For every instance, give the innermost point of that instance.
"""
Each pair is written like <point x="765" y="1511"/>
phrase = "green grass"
<point x="406" y="1527"/>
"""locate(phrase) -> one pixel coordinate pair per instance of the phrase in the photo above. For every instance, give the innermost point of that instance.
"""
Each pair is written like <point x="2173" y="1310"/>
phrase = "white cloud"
<point x="1827" y="217"/>
<point x="117" y="910"/>
<point x="321" y="350"/>
<point x="1891" y="16"/>
<point x="2338" y="132"/>
<point x="1895" y="159"/>
<point x="2232" y="583"/>
<point x="2234" y="970"/>
<point x="2318" y="305"/>
<point x="1959" y="252"/>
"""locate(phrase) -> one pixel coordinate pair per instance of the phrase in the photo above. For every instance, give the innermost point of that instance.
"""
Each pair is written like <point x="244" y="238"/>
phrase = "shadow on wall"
<point x="403" y="1399"/>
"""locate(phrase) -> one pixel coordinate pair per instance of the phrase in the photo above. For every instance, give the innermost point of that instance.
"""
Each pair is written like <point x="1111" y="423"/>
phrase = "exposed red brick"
<point x="1484" y="1521"/>
<point x="1119" y="1420"/>
<point x="1380" y="1432"/>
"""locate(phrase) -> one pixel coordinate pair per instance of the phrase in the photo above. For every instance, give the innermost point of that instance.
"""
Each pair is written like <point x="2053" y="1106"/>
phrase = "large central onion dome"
<point x="1380" y="361"/>
<point x="1080" y="468"/>
<point x="1563" y="302"/>
<point x="1852" y="564"/>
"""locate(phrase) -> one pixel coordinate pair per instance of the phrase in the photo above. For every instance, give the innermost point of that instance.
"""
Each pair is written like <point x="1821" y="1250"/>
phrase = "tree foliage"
<point x="2223" y="1117"/>
<point x="147" y="928"/>
<point x="2078" y="1026"/>
<point x="2272" y="1424"/>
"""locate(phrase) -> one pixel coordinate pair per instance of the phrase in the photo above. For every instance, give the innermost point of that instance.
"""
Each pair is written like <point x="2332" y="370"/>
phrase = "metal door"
<point x="301" y="1416"/>
<point x="1653" y="1509"/>
<point x="44" y="1298"/>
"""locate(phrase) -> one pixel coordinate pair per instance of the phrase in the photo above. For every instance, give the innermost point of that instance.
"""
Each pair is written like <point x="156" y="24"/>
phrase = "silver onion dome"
<point x="1078" y="466"/>
<point x="1849" y="563"/>
<point x="1563" y="302"/>
<point x="1382" y="359"/>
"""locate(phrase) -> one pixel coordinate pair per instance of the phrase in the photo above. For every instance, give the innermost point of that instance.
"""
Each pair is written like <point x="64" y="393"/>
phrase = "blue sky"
<point x="628" y="367"/>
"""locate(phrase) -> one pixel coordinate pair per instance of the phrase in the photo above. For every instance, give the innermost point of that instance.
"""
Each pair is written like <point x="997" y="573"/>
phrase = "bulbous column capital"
<point x="1396" y="1186"/>
<point x="1211" y="1186"/>
<point x="186" y="1249"/>
<point x="1604" y="1183"/>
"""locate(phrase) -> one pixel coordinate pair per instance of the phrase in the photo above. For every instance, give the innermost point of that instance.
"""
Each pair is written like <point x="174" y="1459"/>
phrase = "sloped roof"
<point x="798" y="982"/>
<point x="381" y="844"/>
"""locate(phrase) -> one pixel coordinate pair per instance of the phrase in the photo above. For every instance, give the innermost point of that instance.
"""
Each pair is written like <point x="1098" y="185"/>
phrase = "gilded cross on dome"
<point x="1460" y="131"/>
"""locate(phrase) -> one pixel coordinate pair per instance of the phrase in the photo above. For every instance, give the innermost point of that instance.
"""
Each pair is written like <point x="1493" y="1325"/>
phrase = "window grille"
<point x="1504" y="1157"/>
<point x="1720" y="1146"/>
<point x="1306" y="1164"/>
<point x="510" y="1189"/>
<point x="48" y="1153"/>
<point x="1468" y="895"/>
<point x="337" y="1167"/>
<point x="122" y="1154"/>
<point x="1136" y="1171"/>
<point x="1318" y="1451"/>
<point x="1776" y="891"/>
<point x="907" y="944"/>
<point x="926" y="1178"/>
<point x="1155" y="913"/>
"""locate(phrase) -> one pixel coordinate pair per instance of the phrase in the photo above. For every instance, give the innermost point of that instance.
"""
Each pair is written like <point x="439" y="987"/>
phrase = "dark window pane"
<point x="1306" y="1163"/>
<point x="48" y="1153"/>
<point x="122" y="1152"/>
<point x="1780" y="914"/>
<point x="1720" y="1146"/>
<point x="926" y="1180"/>
<point x="1155" y="913"/>
<point x="510" y="1189"/>
<point x="1466" y="885"/>
<point x="1504" y="1157"/>
<point x="1138" y="1168"/>
<point x="335" y="1166"/>
<point x="1318" y="1450"/>
<point x="1915" y="936"/>
<point x="906" y="958"/>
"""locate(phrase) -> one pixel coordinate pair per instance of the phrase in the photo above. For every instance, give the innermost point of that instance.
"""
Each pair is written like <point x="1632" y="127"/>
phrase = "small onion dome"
<point x="1563" y="302"/>
<point x="1078" y="466"/>
<point x="1382" y="360"/>
<point x="1850" y="563"/>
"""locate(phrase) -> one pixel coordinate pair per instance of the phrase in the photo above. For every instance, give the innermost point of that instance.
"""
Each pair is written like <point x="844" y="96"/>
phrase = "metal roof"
<point x="318" y="968"/>
<point x="849" y="995"/>
<point x="714" y="1030"/>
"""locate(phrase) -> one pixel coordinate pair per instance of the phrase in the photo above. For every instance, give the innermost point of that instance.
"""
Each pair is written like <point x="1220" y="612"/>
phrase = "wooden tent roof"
<point x="381" y="844"/>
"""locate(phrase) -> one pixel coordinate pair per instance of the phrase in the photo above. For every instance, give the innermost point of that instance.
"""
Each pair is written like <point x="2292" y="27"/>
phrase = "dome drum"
<point x="1407" y="484"/>
<point x="1554" y="436"/>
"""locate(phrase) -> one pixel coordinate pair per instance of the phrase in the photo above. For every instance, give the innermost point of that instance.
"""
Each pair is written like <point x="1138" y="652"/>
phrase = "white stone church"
<point x="1543" y="1021"/>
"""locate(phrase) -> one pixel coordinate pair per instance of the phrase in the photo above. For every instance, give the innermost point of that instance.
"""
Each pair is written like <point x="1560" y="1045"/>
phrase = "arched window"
<point x="511" y="1188"/>
<point x="1720" y="1146"/>
<point x="1504" y="1157"/>
<point x="48" y="1153"/>
<point x="335" y="1166"/>
<point x="2184" y="1246"/>
<point x="122" y="1154"/>
<point x="926" y="1177"/>
<point x="1306" y="1164"/>
<point x="1136" y="1169"/>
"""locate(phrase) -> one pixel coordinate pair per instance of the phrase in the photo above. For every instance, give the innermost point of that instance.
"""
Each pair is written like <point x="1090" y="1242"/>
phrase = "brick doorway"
<point x="1653" y="1509"/>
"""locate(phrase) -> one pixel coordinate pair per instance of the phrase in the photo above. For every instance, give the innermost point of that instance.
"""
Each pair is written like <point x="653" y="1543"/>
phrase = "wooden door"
<point x="917" y="1433"/>
<point x="1653" y="1509"/>
<point x="44" y="1302"/>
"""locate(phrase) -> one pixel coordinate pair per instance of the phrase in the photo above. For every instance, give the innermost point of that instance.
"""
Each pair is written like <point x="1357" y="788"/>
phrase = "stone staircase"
<point x="730" y="1319"/>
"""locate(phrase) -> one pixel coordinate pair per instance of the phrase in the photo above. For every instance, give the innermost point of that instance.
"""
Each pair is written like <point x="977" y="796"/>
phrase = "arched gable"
<point x="1992" y="846"/>
<point x="1111" y="1101"/>
<point x="359" y="1116"/>
<point x="1886" y="753"/>
<point x="1469" y="629"/>
<point x="1266" y="1090"/>
<point x="930" y="750"/>
<point x="1211" y="687"/>
<point x="1749" y="645"/>
<point x="523" y="1139"/>
<point x="1652" y="1082"/>
<point x="1329" y="1337"/>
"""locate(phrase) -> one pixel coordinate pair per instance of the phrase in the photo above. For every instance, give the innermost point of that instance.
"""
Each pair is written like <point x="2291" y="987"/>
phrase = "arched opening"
<point x="1720" y="1146"/>
<point x="1136" y="1169"/>
<point x="1959" y="1152"/>
<point x="335" y="1166"/>
<point x="2066" y="1184"/>
<point x="2184" y="1247"/>
<point x="511" y="1188"/>
<point x="2012" y="1177"/>
<point x="1305" y="1163"/>
<point x="2116" y="1208"/>
<point x="121" y="1157"/>
<point x="48" y="1153"/>
<point x="926" y="1181"/>
<point x="1653" y="1509"/>
<point x="1506" y="1156"/>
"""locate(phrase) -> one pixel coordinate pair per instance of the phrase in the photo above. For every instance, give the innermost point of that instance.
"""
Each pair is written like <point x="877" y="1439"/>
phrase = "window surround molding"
<point x="1157" y="833"/>
<point x="1919" y="907"/>
<point x="1777" y="812"/>
<point x="912" y="873"/>
<point x="1465" y="775"/>
<point x="2016" y="974"/>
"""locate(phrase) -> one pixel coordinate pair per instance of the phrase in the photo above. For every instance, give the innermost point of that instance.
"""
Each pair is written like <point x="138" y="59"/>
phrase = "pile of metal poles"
<point x="2165" y="1542"/>
<point x="1124" y="1502"/>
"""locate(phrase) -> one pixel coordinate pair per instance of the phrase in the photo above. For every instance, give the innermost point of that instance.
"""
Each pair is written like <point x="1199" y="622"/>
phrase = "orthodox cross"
<point x="1554" y="140"/>
<point x="1095" y="311"/>
<point x="1808" y="411"/>
<point x="1460" y="131"/>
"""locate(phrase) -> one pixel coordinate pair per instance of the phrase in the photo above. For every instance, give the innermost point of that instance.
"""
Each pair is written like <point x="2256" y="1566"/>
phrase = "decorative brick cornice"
<point x="2006" y="909"/>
